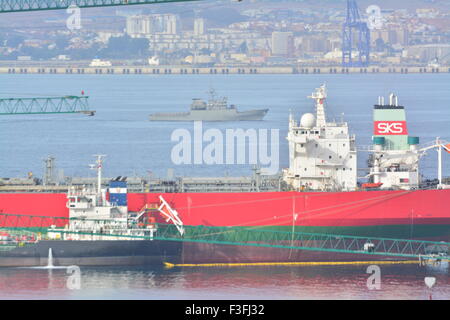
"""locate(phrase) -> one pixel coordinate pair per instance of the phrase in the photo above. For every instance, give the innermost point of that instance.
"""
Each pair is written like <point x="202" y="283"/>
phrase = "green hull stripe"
<point x="382" y="231"/>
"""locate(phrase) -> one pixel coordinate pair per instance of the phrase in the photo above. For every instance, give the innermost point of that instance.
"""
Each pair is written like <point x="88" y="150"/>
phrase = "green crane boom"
<point x="67" y="104"/>
<point x="240" y="236"/>
<point x="39" y="5"/>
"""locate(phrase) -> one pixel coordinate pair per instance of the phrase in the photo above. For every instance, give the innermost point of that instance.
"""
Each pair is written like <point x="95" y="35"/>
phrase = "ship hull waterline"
<point x="92" y="253"/>
<point x="219" y="115"/>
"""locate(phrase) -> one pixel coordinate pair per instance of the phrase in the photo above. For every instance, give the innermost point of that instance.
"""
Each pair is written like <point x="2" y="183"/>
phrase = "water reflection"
<point x="345" y="282"/>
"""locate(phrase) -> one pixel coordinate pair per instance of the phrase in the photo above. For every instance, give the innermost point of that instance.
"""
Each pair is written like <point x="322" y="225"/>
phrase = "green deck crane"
<point x="47" y="105"/>
<point x="39" y="5"/>
<point x="386" y="248"/>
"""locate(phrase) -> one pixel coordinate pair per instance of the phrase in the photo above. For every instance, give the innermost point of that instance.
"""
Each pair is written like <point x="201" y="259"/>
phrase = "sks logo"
<point x="390" y="128"/>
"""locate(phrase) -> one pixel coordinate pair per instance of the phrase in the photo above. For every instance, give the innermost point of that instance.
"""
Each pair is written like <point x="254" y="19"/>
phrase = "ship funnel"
<point x="118" y="192"/>
<point x="390" y="123"/>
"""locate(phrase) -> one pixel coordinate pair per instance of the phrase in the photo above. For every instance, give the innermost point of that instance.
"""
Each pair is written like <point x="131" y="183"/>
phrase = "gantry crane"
<point x="66" y="104"/>
<point x="355" y="33"/>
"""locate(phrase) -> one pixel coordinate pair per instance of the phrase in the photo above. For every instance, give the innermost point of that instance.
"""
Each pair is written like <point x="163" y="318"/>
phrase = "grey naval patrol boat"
<point x="216" y="109"/>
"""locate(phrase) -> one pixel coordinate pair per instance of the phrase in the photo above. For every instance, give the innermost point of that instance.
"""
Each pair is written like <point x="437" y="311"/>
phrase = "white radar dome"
<point x="308" y="120"/>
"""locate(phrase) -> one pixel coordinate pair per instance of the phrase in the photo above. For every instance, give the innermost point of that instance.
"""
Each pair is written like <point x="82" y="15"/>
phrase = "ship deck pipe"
<point x="439" y="163"/>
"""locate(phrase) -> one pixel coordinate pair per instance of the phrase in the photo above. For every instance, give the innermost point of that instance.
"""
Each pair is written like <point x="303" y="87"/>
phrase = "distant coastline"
<point x="224" y="70"/>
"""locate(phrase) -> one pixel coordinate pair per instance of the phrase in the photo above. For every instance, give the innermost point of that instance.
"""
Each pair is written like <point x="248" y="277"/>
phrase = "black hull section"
<point x="145" y="252"/>
<point x="92" y="253"/>
<point x="201" y="253"/>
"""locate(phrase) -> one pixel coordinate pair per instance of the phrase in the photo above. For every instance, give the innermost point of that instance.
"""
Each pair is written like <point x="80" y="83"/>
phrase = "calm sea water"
<point x="135" y="146"/>
<point x="349" y="282"/>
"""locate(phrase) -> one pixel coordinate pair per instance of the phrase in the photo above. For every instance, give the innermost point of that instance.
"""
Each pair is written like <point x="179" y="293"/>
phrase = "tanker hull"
<point x="412" y="214"/>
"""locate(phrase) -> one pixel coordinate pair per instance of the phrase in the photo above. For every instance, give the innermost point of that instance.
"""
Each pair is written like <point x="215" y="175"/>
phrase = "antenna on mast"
<point x="98" y="165"/>
<point x="320" y="95"/>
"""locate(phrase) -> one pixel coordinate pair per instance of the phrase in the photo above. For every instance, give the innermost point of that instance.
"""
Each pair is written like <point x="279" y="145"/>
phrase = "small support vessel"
<point x="99" y="231"/>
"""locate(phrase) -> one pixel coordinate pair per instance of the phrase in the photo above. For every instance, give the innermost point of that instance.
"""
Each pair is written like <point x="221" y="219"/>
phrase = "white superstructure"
<point x="89" y="202"/>
<point x="395" y="169"/>
<point x="322" y="155"/>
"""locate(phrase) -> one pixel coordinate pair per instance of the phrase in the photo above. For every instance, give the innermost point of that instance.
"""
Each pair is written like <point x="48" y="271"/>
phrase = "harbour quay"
<point x="170" y="69"/>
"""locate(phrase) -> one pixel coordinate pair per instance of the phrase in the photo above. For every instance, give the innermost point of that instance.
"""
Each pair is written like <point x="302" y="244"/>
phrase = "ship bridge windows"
<point x="307" y="132"/>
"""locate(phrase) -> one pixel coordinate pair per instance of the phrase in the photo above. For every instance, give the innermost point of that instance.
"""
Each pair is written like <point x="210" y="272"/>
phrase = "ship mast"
<point x="98" y="166"/>
<point x="322" y="156"/>
<point x="320" y="95"/>
<point x="439" y="151"/>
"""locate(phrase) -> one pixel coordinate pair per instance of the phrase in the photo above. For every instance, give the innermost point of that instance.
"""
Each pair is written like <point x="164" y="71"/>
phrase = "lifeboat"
<point x="372" y="185"/>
